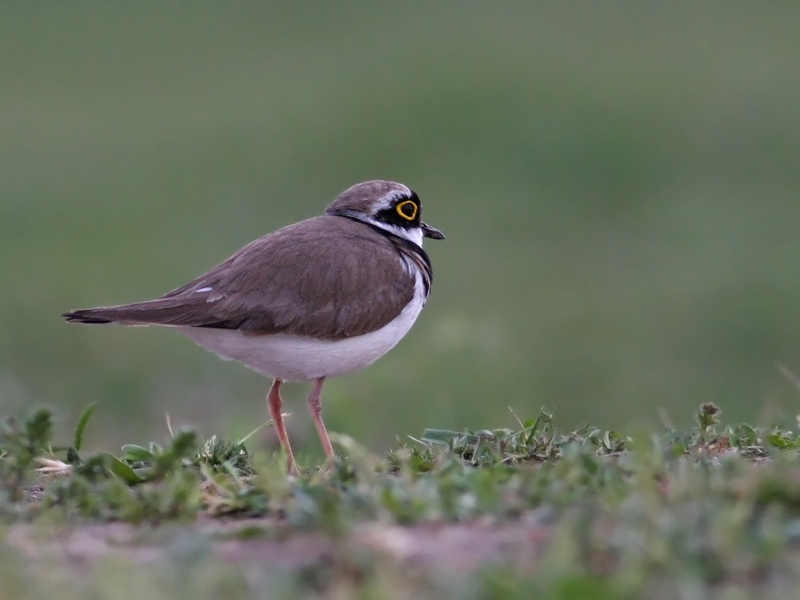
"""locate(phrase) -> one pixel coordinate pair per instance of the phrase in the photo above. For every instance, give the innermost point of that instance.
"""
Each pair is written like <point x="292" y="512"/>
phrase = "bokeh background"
<point x="619" y="184"/>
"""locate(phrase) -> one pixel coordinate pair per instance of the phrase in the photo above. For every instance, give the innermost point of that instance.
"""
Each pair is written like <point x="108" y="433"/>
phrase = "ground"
<point x="530" y="513"/>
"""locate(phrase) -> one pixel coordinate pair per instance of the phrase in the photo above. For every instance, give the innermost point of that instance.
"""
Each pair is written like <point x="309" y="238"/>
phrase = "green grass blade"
<point x="81" y="426"/>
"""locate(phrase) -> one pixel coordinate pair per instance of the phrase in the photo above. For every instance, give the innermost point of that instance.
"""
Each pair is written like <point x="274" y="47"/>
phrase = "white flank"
<point x="297" y="358"/>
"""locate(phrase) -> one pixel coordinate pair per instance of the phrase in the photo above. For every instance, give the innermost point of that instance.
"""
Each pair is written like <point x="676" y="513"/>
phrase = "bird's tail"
<point x="163" y="311"/>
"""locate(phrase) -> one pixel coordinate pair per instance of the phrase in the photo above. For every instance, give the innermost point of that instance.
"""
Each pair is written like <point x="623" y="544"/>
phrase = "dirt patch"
<point x="454" y="546"/>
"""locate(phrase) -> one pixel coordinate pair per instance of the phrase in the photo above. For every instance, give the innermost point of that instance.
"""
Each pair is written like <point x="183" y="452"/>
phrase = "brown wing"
<point x="328" y="277"/>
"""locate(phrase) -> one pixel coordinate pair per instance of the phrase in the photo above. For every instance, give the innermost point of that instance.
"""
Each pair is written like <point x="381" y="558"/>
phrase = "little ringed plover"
<point x="324" y="297"/>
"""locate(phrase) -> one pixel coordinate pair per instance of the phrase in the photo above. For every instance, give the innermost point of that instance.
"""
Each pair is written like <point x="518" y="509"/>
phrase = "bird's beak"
<point x="431" y="232"/>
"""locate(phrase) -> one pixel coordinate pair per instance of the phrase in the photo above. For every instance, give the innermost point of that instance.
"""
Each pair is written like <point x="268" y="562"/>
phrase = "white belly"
<point x="297" y="358"/>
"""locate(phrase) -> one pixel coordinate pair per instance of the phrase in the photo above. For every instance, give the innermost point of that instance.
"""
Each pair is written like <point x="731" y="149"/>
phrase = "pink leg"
<point x="274" y="402"/>
<point x="315" y="406"/>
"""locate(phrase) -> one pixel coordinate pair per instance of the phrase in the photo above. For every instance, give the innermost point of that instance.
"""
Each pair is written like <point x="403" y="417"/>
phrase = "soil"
<point x="452" y="546"/>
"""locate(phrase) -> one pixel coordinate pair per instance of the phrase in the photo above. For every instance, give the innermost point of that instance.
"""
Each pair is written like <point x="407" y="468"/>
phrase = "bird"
<point x="317" y="299"/>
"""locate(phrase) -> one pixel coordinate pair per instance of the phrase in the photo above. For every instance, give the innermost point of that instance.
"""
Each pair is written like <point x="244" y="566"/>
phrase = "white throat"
<point x="412" y="235"/>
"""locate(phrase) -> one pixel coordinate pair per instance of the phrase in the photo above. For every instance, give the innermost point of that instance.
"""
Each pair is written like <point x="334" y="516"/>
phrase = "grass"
<point x="534" y="512"/>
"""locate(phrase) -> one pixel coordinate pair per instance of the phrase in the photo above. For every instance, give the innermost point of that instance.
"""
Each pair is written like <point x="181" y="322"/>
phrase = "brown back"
<point x="328" y="277"/>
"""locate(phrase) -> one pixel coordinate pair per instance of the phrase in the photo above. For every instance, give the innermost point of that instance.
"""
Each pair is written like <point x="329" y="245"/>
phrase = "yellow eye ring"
<point x="404" y="205"/>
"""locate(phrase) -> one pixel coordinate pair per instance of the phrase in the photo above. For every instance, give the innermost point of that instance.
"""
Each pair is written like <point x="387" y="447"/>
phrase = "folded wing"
<point x="328" y="277"/>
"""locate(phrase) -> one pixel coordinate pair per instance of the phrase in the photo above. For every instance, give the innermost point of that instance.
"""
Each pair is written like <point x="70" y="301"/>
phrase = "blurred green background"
<point x="618" y="183"/>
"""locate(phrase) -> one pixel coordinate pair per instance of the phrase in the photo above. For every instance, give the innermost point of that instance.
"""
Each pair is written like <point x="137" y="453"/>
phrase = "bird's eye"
<point x="407" y="210"/>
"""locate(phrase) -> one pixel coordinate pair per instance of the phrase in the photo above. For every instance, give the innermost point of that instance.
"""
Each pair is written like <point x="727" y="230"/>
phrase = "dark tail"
<point x="87" y="315"/>
<point x="162" y="311"/>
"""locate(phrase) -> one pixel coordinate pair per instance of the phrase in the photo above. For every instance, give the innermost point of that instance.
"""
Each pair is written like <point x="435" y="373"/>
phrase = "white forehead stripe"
<point x="393" y="196"/>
